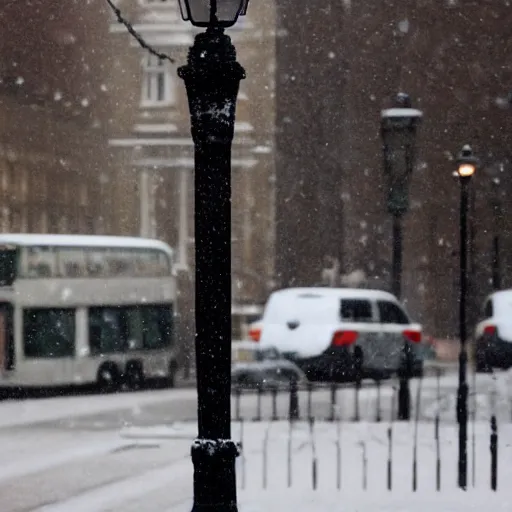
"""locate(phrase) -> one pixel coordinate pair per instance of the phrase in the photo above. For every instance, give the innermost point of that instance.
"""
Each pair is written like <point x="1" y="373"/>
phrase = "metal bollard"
<point x="238" y="393"/>
<point x="274" y="403"/>
<point x="310" y="395"/>
<point x="378" y="416"/>
<point x="494" y="453"/>
<point x="294" y="401"/>
<point x="404" y="392"/>
<point x="358" y="375"/>
<point x="258" y="404"/>
<point x="334" y="389"/>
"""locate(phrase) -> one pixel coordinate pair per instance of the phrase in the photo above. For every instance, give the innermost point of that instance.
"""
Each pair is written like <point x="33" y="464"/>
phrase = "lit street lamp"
<point x="212" y="77"/>
<point x="398" y="130"/>
<point x="467" y="165"/>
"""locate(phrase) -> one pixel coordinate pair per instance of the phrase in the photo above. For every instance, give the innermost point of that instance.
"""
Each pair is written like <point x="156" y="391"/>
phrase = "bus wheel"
<point x="134" y="376"/>
<point x="108" y="378"/>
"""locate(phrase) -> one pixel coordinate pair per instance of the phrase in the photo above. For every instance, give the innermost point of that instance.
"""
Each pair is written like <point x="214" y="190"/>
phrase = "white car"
<point x="493" y="334"/>
<point x="320" y="328"/>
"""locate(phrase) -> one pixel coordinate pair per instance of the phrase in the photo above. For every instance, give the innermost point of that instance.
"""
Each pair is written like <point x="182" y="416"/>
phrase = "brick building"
<point x="338" y="65"/>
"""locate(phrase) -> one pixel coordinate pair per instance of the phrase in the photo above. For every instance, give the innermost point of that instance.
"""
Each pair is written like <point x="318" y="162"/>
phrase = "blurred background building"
<point x="338" y="65"/>
<point x="94" y="138"/>
<point x="95" y="133"/>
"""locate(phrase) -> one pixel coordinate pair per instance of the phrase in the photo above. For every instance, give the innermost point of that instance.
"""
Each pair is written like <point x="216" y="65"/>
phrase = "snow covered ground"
<point x="88" y="454"/>
<point x="276" y="470"/>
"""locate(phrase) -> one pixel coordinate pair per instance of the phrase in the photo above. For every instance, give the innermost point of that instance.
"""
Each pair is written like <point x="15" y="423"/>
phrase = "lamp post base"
<point x="214" y="475"/>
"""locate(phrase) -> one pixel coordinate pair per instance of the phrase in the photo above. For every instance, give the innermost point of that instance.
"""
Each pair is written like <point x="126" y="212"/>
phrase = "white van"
<point x="493" y="333"/>
<point x="319" y="328"/>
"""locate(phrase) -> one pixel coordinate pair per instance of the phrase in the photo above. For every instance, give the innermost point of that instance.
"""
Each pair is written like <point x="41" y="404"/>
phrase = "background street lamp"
<point x="212" y="78"/>
<point x="467" y="165"/>
<point x="398" y="131"/>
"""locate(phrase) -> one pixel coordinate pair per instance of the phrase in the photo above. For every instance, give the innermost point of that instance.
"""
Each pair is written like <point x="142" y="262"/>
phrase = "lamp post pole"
<point x="398" y="131"/>
<point x="396" y="269"/>
<point x="467" y="165"/>
<point x="497" y="210"/>
<point x="462" y="395"/>
<point x="212" y="77"/>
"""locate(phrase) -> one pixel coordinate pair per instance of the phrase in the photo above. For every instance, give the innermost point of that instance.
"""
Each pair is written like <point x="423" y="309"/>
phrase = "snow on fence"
<point x="403" y="456"/>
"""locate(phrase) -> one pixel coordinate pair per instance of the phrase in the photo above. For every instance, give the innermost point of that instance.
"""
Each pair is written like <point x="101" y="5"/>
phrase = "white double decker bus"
<point x="81" y="310"/>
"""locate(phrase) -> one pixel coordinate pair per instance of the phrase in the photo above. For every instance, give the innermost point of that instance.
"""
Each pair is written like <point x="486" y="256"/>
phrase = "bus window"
<point x="7" y="352"/>
<point x="106" y="334"/>
<point x="8" y="265"/>
<point x="164" y="264"/>
<point x="96" y="262"/>
<point x="119" y="262"/>
<point x="49" y="332"/>
<point x="134" y="328"/>
<point x="40" y="262"/>
<point x="71" y="262"/>
<point x="157" y="326"/>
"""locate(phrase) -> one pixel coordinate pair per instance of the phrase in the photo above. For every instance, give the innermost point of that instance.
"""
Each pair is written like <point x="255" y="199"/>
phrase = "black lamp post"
<point x="212" y="77"/>
<point x="467" y="165"/>
<point x="398" y="130"/>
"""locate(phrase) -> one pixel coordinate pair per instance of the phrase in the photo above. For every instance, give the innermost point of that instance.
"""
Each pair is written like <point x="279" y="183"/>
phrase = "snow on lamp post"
<point x="467" y="165"/>
<point x="212" y="76"/>
<point x="398" y="131"/>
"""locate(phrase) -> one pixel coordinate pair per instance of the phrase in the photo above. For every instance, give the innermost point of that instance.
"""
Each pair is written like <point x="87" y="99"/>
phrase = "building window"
<point x="158" y="83"/>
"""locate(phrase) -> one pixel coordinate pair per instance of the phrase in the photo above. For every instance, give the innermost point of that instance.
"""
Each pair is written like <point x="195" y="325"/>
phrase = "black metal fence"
<point x="432" y="401"/>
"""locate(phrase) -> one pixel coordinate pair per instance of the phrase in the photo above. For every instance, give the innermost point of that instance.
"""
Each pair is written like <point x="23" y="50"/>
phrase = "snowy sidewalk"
<point x="309" y="501"/>
<point x="276" y="470"/>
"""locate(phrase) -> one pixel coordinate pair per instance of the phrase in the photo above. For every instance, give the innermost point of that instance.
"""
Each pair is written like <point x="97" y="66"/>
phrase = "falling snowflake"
<point x="403" y="26"/>
<point x="20" y="80"/>
<point x="57" y="96"/>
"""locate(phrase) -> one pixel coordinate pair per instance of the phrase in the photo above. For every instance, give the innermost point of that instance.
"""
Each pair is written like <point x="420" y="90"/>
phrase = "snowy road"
<point x="114" y="453"/>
